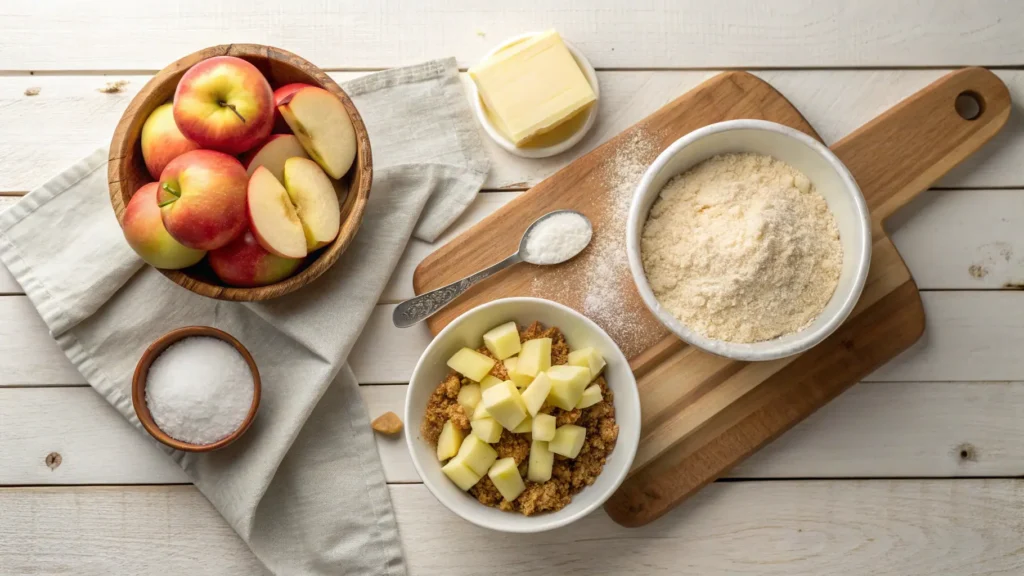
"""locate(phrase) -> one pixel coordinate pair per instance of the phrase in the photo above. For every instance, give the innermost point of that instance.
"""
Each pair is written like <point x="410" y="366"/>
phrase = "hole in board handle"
<point x="969" y="105"/>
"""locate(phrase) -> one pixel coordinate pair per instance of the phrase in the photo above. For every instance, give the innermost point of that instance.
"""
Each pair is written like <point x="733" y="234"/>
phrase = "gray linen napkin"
<point x="304" y="487"/>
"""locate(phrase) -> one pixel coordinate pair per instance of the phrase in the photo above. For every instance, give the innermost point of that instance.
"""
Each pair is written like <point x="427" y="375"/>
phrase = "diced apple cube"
<point x="524" y="427"/>
<point x="535" y="357"/>
<point x="487" y="429"/>
<point x="469" y="397"/>
<point x="480" y="412"/>
<point x="521" y="380"/>
<point x="462" y="475"/>
<point x="591" y="396"/>
<point x="477" y="454"/>
<point x="542" y="460"/>
<point x="568" y="440"/>
<point x="589" y="358"/>
<point x="536" y="393"/>
<point x="471" y="364"/>
<point x="543" y="427"/>
<point x="504" y="403"/>
<point x="567" y="385"/>
<point x="449" y="442"/>
<point x="503" y="341"/>
<point x="489" y="381"/>
<point x="505" y="475"/>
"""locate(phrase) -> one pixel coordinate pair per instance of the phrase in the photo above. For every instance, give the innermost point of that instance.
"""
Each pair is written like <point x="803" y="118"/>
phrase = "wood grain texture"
<point x="119" y="34"/>
<point x="791" y="528"/>
<point x="874" y="430"/>
<point x="127" y="172"/>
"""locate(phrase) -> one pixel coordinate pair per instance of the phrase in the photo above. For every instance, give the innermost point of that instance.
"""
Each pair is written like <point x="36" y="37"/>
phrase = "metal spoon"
<point x="418" y="309"/>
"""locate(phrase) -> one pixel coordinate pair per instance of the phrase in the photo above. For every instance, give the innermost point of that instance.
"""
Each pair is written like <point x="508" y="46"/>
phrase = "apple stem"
<point x="233" y="109"/>
<point x="172" y="191"/>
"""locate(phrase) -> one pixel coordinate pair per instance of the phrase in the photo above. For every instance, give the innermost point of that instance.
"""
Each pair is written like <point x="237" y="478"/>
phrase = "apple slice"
<point x="280" y="126"/>
<point x="272" y="216"/>
<point x="316" y="202"/>
<point x="320" y="121"/>
<point x="272" y="154"/>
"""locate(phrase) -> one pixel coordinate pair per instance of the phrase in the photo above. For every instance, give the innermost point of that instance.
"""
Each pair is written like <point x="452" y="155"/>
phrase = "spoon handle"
<point x="415" y="310"/>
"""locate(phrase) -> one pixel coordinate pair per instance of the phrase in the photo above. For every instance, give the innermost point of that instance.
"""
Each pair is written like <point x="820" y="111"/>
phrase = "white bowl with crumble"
<point x="523" y="416"/>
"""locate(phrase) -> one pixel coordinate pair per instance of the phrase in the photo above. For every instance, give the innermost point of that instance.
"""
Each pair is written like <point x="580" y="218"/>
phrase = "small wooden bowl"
<point x="127" y="173"/>
<point x="142" y="371"/>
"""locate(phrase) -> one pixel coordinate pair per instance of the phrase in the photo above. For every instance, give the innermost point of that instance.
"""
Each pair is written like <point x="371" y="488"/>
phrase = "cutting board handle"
<point x="901" y="153"/>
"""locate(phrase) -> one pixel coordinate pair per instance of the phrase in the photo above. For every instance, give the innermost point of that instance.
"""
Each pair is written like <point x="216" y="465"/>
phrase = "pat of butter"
<point x="533" y="86"/>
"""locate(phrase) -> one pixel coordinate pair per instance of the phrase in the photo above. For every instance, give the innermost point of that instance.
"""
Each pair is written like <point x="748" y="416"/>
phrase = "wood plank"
<point x="875" y="430"/>
<point x="70" y="117"/>
<point x="970" y="336"/>
<point x="8" y="285"/>
<point x="794" y="528"/>
<point x="732" y="33"/>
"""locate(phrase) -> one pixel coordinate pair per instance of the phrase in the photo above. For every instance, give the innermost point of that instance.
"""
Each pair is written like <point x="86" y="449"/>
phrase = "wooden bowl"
<point x="142" y="372"/>
<point x="127" y="173"/>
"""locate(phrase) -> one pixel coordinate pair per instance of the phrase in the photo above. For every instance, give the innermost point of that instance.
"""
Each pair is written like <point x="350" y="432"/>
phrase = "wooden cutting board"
<point x="702" y="414"/>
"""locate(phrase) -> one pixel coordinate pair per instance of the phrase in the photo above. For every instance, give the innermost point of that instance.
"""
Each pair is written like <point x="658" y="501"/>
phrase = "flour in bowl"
<point x="742" y="248"/>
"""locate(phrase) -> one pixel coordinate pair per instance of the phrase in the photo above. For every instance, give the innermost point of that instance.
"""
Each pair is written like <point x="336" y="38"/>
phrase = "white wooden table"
<point x="912" y="472"/>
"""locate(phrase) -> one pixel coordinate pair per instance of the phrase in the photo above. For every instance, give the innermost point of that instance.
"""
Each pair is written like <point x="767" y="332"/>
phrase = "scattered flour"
<point x="741" y="248"/>
<point x="199" y="390"/>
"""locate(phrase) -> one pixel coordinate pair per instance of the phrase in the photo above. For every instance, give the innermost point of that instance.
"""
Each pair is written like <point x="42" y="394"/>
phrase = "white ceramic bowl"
<point x="831" y="179"/>
<point x="545" y="151"/>
<point x="467" y="330"/>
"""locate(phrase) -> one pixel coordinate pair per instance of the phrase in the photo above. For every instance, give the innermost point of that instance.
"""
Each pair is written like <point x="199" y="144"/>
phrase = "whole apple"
<point x="245" y="263"/>
<point x="162" y="141"/>
<point x="280" y="126"/>
<point x="224" y="103"/>
<point x="202" y="199"/>
<point x="145" y="232"/>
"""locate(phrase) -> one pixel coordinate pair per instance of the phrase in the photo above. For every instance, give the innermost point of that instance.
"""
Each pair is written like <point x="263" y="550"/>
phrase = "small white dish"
<point x="831" y="179"/>
<point x="467" y="330"/>
<point x="558" y="147"/>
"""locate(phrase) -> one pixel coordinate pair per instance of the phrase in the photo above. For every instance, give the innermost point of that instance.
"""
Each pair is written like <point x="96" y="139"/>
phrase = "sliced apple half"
<point x="273" y="218"/>
<point x="323" y="127"/>
<point x="272" y="154"/>
<point x="315" y="200"/>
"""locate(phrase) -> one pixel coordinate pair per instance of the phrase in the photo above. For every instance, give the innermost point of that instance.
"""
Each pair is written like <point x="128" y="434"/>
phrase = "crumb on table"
<point x="387" y="423"/>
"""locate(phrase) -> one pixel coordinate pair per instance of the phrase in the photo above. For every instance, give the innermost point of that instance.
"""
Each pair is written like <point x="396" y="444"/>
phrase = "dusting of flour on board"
<point x="607" y="294"/>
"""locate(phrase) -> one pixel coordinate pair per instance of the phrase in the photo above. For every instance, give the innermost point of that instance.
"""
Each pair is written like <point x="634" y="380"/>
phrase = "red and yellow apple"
<point x="162" y="141"/>
<point x="224" y="103"/>
<point x="315" y="200"/>
<point x="202" y="199"/>
<point x="245" y="263"/>
<point x="273" y="153"/>
<point x="280" y="126"/>
<point x="272" y="217"/>
<point x="319" y="120"/>
<point x="145" y="233"/>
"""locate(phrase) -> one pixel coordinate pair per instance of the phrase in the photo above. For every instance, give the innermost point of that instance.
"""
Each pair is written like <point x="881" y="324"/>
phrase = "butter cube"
<point x="589" y="358"/>
<point x="567" y="385"/>
<point x="469" y="397"/>
<point x="458" y="472"/>
<point x="542" y="460"/>
<point x="471" y="364"/>
<point x="477" y="454"/>
<point x="489" y="381"/>
<point x="524" y="427"/>
<point x="449" y="442"/>
<point x="536" y="393"/>
<point x="533" y="86"/>
<point x="591" y="396"/>
<point x="505" y="405"/>
<point x="480" y="412"/>
<point x="505" y="475"/>
<point x="568" y="440"/>
<point x="521" y="380"/>
<point x="487" y="429"/>
<point x="535" y="357"/>
<point x="543" y="427"/>
<point x="503" y="341"/>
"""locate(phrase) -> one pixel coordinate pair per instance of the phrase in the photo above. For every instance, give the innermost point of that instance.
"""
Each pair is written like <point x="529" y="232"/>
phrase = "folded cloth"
<point x="304" y="487"/>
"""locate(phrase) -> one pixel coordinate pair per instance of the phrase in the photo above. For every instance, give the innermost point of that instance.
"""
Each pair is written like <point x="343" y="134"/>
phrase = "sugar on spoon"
<point x="553" y="238"/>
